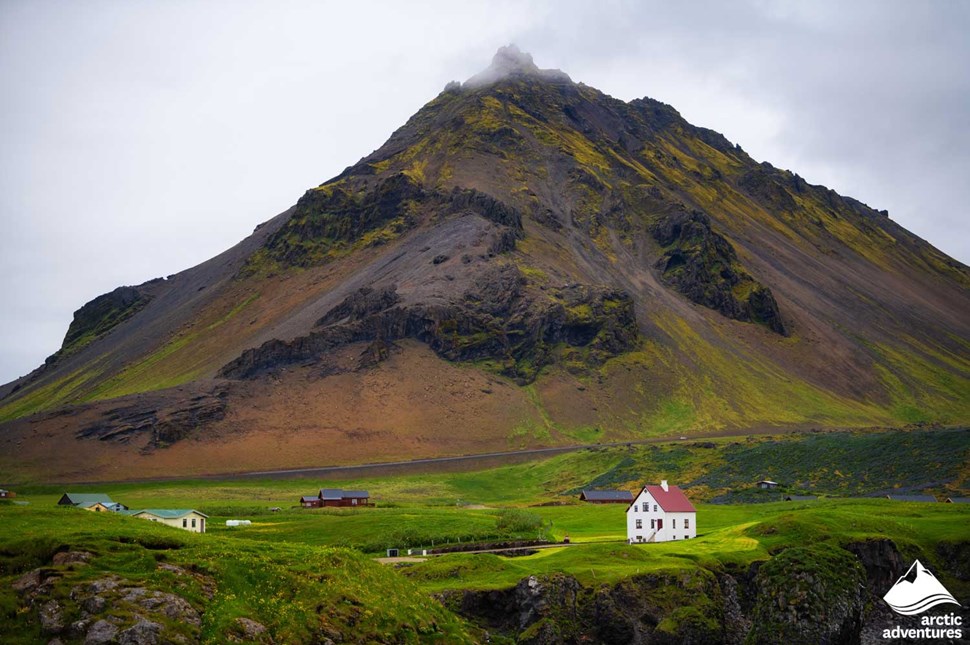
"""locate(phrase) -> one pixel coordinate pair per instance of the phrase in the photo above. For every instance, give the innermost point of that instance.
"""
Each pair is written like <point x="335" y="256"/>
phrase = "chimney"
<point x="663" y="484"/>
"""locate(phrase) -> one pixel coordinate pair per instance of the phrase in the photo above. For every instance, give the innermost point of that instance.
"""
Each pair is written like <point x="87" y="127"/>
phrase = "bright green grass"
<point x="291" y="587"/>
<point x="728" y="536"/>
<point x="280" y="569"/>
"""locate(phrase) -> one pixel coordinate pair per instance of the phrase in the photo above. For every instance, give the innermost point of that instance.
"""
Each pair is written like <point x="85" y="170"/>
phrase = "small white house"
<point x="187" y="519"/>
<point x="660" y="514"/>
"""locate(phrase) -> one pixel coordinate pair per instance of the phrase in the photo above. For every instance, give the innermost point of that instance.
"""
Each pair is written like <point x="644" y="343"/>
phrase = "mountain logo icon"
<point x="917" y="591"/>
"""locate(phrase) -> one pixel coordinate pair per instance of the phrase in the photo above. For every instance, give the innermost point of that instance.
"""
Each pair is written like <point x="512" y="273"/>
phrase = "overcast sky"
<point x="140" y="138"/>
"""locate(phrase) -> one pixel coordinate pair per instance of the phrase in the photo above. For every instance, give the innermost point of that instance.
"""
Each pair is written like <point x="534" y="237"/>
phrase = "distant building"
<point x="101" y="507"/>
<point x="767" y="484"/>
<point x="800" y="498"/>
<point x="6" y="494"/>
<point x="606" y="496"/>
<point x="660" y="514"/>
<point x="911" y="498"/>
<point x="187" y="519"/>
<point x="336" y="497"/>
<point x="89" y="501"/>
<point x="958" y="500"/>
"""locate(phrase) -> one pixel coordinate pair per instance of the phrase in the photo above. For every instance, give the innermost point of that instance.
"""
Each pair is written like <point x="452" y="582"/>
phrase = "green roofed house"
<point x="90" y="502"/>
<point x="181" y="518"/>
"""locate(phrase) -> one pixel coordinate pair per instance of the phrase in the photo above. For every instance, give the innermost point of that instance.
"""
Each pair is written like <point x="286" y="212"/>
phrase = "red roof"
<point x="671" y="500"/>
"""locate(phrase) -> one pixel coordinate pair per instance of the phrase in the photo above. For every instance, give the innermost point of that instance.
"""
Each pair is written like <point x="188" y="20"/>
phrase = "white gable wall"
<point x="675" y="526"/>
<point x="193" y="522"/>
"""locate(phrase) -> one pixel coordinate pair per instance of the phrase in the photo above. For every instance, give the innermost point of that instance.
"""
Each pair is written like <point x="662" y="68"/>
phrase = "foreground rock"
<point x="112" y="609"/>
<point x="814" y="594"/>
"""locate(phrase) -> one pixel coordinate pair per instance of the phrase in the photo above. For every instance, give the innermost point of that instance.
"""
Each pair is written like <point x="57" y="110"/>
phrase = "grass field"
<point x="302" y="572"/>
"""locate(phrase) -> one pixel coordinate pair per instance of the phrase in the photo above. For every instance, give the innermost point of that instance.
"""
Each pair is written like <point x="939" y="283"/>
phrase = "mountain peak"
<point x="512" y="62"/>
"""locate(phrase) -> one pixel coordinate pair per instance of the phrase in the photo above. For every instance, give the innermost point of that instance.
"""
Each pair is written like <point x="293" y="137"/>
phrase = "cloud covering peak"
<point x="512" y="62"/>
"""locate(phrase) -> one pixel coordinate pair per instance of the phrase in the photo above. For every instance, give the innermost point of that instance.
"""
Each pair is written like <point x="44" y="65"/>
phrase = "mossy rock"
<point x="808" y="595"/>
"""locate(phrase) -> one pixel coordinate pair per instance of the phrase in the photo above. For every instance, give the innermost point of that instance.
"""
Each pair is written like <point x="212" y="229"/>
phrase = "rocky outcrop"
<point x="329" y="216"/>
<point x="112" y="609"/>
<point x="99" y="316"/>
<point x="356" y="212"/>
<point x="808" y="595"/>
<point x="817" y="594"/>
<point x="702" y="265"/>
<point x="955" y="556"/>
<point x="164" y="424"/>
<point x="499" y="319"/>
<point x="654" y="608"/>
<point x="247" y="630"/>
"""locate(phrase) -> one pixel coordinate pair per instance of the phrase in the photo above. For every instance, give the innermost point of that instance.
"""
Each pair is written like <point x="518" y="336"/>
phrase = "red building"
<point x="337" y="497"/>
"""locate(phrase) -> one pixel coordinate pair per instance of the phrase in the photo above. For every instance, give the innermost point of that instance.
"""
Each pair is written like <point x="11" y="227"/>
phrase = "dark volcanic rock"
<point x="499" y="318"/>
<point x="677" y="608"/>
<point x="808" y="595"/>
<point x="360" y="304"/>
<point x="702" y="265"/>
<point x="166" y="425"/>
<point x="882" y="562"/>
<point x="100" y="315"/>
<point x="955" y="556"/>
<point x="329" y="218"/>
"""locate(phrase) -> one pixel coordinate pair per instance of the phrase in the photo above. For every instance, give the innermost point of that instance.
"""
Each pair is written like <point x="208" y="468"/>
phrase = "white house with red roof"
<point x="660" y="514"/>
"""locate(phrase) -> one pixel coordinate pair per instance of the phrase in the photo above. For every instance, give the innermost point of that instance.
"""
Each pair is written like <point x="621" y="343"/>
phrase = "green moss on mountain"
<point x="99" y="316"/>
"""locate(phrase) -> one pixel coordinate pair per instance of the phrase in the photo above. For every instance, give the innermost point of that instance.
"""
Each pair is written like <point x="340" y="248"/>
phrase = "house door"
<point x="660" y="524"/>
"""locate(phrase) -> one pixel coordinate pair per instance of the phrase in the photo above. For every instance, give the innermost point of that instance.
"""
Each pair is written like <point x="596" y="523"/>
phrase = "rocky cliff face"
<point x="99" y="316"/>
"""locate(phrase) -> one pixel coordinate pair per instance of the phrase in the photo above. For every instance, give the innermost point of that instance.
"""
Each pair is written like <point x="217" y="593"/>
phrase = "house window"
<point x="686" y="537"/>
<point x="674" y="525"/>
<point x="639" y="524"/>
<point x="653" y="523"/>
<point x="686" y="522"/>
<point x="635" y="509"/>
<point x="185" y="523"/>
<point x="673" y="537"/>
<point x="654" y="508"/>
<point x="193" y="522"/>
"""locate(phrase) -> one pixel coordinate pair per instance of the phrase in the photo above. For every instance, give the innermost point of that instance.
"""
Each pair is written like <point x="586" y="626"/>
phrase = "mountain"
<point x="526" y="262"/>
